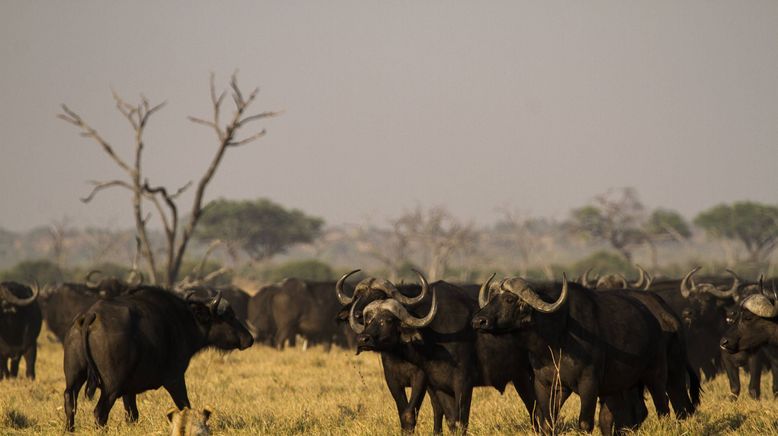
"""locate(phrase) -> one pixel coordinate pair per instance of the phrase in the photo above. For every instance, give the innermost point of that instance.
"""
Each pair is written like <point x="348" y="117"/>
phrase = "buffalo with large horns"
<point x="143" y="340"/>
<point x="436" y="336"/>
<point x="596" y="344"/>
<point x="20" y="324"/>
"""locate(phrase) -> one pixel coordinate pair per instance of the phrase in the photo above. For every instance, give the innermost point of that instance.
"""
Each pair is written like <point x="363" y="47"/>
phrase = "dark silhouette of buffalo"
<point x="20" y="324"/>
<point x="143" y="340"/>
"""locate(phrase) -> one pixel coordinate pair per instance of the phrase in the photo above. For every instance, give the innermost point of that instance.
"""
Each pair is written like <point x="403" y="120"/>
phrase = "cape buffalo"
<point x="238" y="298"/>
<point x="398" y="373"/>
<point x="143" y="340"/>
<point x="20" y="324"/>
<point x="66" y="301"/>
<point x="280" y="312"/>
<point x="756" y="325"/>
<point x="452" y="356"/>
<point x="596" y="344"/>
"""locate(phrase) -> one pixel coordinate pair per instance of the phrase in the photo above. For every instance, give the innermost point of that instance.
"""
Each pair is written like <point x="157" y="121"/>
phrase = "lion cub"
<point x="189" y="422"/>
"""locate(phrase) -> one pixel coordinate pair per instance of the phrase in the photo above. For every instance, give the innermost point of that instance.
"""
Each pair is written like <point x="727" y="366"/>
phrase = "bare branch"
<point x="87" y="131"/>
<point x="99" y="186"/>
<point x="247" y="140"/>
<point x="260" y="116"/>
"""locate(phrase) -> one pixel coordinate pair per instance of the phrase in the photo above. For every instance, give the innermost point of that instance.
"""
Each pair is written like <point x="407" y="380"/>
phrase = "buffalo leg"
<point x="15" y="366"/>
<point x="774" y="370"/>
<point x="526" y="391"/>
<point x="755" y="369"/>
<point x="657" y="388"/>
<point x="448" y="404"/>
<point x="177" y="391"/>
<point x="437" y="414"/>
<point x="464" y="398"/>
<point x="549" y="400"/>
<point x="418" y="388"/>
<point x="130" y="407"/>
<point x="74" y="382"/>
<point x="588" y="393"/>
<point x="397" y="390"/>
<point x="733" y="376"/>
<point x="605" y="420"/>
<point x="104" y="406"/>
<point x="29" y="361"/>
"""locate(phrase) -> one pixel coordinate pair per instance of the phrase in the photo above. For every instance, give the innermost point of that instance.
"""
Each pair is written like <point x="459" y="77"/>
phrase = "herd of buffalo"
<point x="607" y="339"/>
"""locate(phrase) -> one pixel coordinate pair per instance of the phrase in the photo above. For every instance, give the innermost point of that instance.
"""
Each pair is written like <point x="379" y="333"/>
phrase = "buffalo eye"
<point x="748" y="317"/>
<point x="510" y="299"/>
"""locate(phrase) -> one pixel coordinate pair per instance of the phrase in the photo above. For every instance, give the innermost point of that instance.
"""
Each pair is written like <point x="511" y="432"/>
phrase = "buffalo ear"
<point x="410" y="335"/>
<point x="342" y="316"/>
<point x="170" y="412"/>
<point x="201" y="313"/>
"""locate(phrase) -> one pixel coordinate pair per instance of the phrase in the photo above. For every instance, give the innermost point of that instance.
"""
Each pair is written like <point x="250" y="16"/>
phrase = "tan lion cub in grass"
<point x="189" y="422"/>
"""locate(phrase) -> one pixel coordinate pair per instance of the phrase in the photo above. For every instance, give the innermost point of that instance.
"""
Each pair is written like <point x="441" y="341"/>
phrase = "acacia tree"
<point x="753" y="224"/>
<point x="615" y="218"/>
<point x="438" y="234"/>
<point x="177" y="232"/>
<point x="665" y="225"/>
<point x="260" y="228"/>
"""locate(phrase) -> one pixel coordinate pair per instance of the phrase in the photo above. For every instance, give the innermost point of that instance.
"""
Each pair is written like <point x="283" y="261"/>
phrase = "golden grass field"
<point x="263" y="391"/>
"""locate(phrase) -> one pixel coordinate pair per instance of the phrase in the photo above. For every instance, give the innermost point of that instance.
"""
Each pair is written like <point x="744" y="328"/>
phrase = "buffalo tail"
<point x="92" y="375"/>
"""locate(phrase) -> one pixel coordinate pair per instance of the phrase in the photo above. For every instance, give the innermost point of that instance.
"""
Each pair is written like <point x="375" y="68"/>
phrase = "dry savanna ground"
<point x="262" y="391"/>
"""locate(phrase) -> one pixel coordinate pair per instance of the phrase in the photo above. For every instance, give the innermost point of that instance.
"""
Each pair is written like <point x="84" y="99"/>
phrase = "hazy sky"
<point x="473" y="105"/>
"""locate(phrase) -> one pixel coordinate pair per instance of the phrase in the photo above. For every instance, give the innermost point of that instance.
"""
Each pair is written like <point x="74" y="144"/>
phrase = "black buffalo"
<point x="238" y="298"/>
<point x="68" y="300"/>
<point x="596" y="344"/>
<point x="398" y="373"/>
<point x="143" y="340"/>
<point x="755" y="326"/>
<point x="452" y="356"/>
<point x="20" y="324"/>
<point x="281" y="311"/>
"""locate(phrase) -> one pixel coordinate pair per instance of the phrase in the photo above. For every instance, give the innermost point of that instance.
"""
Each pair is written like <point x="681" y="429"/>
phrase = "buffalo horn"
<point x="214" y="304"/>
<point x="342" y="297"/>
<point x="89" y="282"/>
<point x="685" y="289"/>
<point x="643" y="280"/>
<point x="8" y="296"/>
<point x="352" y="321"/>
<point x="760" y="305"/>
<point x="483" y="294"/>
<point x="409" y="301"/>
<point x="533" y="299"/>
<point x="402" y="313"/>
<point x="585" y="278"/>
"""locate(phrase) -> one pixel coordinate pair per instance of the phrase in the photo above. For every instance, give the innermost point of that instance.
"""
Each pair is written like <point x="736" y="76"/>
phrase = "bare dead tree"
<point x="164" y="201"/>
<point x="439" y="235"/>
<point x="387" y="246"/>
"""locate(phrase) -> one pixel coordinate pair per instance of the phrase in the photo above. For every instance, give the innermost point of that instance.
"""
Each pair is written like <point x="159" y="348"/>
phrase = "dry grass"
<point x="262" y="391"/>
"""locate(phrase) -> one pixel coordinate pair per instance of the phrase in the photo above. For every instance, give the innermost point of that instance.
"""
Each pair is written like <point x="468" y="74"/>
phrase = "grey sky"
<point x="474" y="105"/>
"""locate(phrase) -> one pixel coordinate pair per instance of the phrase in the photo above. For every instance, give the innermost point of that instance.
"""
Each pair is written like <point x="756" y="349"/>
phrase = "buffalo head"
<point x="386" y="323"/>
<point x="10" y="299"/>
<point x="217" y="321"/>
<point x="754" y="325"/>
<point x="369" y="290"/>
<point x="511" y="304"/>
